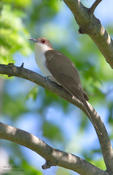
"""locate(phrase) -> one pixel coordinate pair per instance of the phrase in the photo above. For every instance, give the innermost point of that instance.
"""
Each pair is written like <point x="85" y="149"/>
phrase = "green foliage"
<point x="24" y="169"/>
<point x="44" y="14"/>
<point x="17" y="3"/>
<point x="13" y="35"/>
<point x="32" y="93"/>
<point x="62" y="171"/>
<point x="52" y="131"/>
<point x="14" y="107"/>
<point x="29" y="170"/>
<point x="100" y="164"/>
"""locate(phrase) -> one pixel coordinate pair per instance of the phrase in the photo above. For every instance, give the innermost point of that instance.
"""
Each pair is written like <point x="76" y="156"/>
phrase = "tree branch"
<point x="101" y="131"/>
<point x="93" y="7"/>
<point x="90" y="25"/>
<point x="53" y="156"/>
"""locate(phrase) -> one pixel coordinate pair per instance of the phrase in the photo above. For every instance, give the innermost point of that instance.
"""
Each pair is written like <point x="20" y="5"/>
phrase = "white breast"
<point x="40" y="49"/>
<point x="41" y="60"/>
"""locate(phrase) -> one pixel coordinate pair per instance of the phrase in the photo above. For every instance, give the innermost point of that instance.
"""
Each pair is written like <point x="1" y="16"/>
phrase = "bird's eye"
<point x="43" y="41"/>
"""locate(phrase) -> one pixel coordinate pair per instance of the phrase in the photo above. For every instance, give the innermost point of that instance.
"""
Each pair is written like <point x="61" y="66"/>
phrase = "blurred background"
<point x="25" y="105"/>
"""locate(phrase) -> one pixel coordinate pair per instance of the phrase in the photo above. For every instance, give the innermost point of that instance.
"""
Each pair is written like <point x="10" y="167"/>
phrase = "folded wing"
<point x="64" y="71"/>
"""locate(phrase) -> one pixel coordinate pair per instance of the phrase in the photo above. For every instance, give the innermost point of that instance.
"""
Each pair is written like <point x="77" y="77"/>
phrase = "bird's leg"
<point x="51" y="78"/>
<point x="48" y="77"/>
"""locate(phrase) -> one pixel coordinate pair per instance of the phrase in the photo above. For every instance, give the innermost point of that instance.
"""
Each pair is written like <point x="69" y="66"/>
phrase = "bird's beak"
<point x="34" y="40"/>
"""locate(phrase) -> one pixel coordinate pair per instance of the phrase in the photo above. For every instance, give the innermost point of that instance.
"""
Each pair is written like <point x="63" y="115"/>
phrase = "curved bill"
<point x="34" y="40"/>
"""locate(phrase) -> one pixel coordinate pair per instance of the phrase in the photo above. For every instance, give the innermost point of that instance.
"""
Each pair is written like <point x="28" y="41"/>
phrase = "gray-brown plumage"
<point x="65" y="73"/>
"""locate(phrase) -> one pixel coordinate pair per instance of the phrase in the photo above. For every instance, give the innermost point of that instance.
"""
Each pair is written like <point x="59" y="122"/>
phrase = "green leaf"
<point x="52" y="131"/>
<point x="32" y="93"/>
<point x="100" y="164"/>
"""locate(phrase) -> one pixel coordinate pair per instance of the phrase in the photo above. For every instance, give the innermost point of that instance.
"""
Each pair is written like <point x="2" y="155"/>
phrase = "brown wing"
<point x="64" y="71"/>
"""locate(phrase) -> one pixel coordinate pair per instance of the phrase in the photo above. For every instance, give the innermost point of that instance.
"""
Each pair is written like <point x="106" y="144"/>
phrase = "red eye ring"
<point x="43" y="41"/>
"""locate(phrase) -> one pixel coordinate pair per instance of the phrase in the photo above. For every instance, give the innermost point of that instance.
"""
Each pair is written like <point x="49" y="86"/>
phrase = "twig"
<point x="53" y="156"/>
<point x="93" y="7"/>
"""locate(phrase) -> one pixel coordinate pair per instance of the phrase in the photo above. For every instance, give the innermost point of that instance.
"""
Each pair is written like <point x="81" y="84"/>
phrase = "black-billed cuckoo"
<point x="59" y="69"/>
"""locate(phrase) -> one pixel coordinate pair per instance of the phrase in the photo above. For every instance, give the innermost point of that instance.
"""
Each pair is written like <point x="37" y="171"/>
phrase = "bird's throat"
<point x="41" y="61"/>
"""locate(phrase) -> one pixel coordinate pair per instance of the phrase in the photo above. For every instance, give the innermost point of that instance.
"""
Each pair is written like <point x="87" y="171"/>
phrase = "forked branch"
<point x="93" y="7"/>
<point x="89" y="24"/>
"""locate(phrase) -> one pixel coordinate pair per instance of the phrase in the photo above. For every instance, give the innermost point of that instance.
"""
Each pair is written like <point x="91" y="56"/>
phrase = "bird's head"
<point x="42" y="44"/>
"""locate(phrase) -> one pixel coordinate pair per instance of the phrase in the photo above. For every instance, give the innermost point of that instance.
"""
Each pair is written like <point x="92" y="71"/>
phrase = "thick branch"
<point x="96" y="120"/>
<point x="53" y="156"/>
<point x="90" y="25"/>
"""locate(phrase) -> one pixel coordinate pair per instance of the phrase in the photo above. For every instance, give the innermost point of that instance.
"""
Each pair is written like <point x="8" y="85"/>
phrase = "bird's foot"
<point x="48" y="78"/>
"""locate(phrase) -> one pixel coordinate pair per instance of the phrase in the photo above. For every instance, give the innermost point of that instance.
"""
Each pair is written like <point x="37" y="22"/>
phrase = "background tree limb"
<point x="101" y="131"/>
<point x="53" y="156"/>
<point x="93" y="7"/>
<point x="90" y="25"/>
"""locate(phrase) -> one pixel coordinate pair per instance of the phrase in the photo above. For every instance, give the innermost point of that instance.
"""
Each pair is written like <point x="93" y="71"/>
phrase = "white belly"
<point x="40" y="60"/>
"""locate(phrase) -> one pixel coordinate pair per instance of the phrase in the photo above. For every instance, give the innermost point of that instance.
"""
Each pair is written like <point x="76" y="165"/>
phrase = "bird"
<point x="59" y="69"/>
